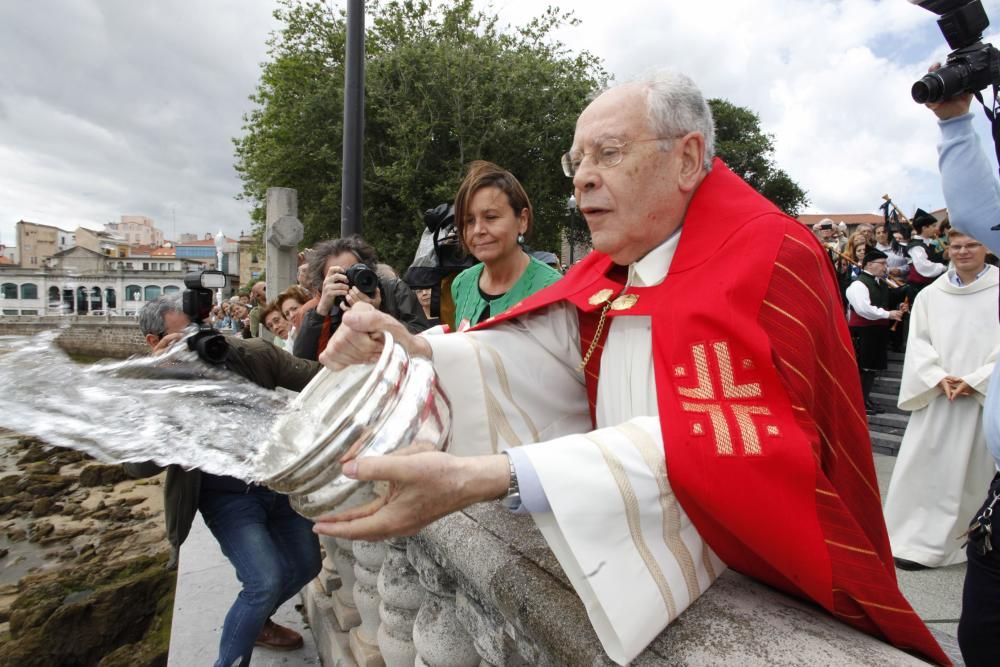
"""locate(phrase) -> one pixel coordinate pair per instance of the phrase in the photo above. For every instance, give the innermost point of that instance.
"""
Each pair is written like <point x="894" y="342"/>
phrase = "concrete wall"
<point x="115" y="337"/>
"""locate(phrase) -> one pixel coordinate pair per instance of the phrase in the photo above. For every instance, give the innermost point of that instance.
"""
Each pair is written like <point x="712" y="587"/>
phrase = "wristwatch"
<point x="512" y="499"/>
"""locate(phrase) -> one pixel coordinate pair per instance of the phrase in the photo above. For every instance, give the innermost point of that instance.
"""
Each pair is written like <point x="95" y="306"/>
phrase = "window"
<point x="109" y="298"/>
<point x="53" y="294"/>
<point x="9" y="311"/>
<point x="29" y="312"/>
<point x="145" y="266"/>
<point x="133" y="293"/>
<point x="8" y="291"/>
<point x="152" y="292"/>
<point x="29" y="291"/>
<point x="171" y="289"/>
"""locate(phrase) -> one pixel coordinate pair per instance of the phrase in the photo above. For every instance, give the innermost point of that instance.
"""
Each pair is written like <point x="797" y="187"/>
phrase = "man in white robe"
<point x="684" y="342"/>
<point x="943" y="462"/>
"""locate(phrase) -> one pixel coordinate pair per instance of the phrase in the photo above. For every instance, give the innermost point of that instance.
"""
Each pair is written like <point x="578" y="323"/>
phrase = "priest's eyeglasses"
<point x="605" y="156"/>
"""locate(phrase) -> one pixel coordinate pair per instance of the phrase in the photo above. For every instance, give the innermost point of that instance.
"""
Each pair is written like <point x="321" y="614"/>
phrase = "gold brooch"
<point x="600" y="297"/>
<point x="624" y="302"/>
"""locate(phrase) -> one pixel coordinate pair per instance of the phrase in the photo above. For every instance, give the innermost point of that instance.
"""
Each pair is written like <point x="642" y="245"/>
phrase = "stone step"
<point x="886" y="443"/>
<point x="887" y="402"/>
<point x="888" y="421"/>
<point x="889" y="383"/>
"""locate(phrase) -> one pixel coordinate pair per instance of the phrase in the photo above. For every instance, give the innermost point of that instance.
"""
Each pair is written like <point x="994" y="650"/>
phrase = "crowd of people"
<point x="655" y="418"/>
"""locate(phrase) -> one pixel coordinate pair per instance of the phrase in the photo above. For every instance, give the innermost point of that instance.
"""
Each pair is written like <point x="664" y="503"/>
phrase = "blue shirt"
<point x="972" y="195"/>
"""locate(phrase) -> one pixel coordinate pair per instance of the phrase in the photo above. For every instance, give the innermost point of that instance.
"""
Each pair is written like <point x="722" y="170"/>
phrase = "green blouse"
<point x="469" y="303"/>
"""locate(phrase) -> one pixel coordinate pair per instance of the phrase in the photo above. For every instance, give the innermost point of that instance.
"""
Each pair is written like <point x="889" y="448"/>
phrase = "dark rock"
<point x="8" y="485"/>
<point x="131" y="501"/>
<point x="40" y="530"/>
<point x="42" y="485"/>
<point x="4" y="552"/>
<point x="115" y="535"/>
<point x="120" y="612"/>
<point x="67" y="457"/>
<point x="42" y="468"/>
<point x="36" y="451"/>
<point x="42" y="507"/>
<point x="7" y="503"/>
<point x="99" y="474"/>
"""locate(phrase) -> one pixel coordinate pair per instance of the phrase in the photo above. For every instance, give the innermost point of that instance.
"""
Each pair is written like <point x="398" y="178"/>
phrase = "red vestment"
<point x="766" y="440"/>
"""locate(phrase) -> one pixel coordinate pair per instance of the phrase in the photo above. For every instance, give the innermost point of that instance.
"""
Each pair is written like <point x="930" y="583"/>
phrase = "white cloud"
<point x="109" y="108"/>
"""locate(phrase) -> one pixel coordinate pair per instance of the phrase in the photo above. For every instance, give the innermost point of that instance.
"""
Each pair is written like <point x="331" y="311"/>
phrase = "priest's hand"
<point x="960" y="388"/>
<point x="359" y="338"/>
<point x="423" y="487"/>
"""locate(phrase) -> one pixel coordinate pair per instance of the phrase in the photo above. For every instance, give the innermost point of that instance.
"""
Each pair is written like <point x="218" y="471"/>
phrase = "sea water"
<point x="171" y="408"/>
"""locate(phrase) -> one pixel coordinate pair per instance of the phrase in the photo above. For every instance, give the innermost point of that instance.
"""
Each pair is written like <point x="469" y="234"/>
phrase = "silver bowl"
<point x="365" y="410"/>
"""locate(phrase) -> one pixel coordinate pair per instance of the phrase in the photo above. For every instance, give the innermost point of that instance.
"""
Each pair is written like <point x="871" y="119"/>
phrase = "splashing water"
<point x="171" y="409"/>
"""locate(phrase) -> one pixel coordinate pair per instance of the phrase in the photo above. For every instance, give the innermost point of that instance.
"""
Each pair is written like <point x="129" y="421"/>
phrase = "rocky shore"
<point x="83" y="561"/>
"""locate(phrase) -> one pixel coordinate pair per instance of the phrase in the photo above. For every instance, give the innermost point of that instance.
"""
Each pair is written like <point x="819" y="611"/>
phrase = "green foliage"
<point x="748" y="151"/>
<point x="444" y="85"/>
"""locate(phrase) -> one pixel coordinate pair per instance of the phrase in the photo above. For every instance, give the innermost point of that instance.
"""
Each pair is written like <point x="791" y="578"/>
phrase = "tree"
<point x="444" y="85"/>
<point x="748" y="151"/>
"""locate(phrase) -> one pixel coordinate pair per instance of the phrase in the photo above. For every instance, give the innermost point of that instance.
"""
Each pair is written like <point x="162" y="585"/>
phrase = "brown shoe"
<point x="278" y="637"/>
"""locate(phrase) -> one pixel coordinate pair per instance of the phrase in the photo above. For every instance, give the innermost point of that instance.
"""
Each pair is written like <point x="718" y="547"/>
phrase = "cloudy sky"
<point x="111" y="107"/>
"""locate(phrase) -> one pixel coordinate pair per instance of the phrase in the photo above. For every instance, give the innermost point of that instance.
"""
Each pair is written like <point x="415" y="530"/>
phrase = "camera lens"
<point x="928" y="89"/>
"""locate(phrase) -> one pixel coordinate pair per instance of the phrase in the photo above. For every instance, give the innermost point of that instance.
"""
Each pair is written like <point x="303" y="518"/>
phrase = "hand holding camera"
<point x="345" y="287"/>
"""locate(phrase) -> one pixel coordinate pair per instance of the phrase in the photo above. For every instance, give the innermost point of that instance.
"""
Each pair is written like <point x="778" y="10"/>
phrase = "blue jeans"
<point x="275" y="554"/>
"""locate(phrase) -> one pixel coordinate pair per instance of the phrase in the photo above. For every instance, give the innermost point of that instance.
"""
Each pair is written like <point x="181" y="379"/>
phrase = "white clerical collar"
<point x="917" y="237"/>
<point x="653" y="267"/>
<point x="956" y="280"/>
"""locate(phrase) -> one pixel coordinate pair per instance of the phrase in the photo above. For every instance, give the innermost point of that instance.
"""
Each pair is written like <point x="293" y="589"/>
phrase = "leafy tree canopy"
<point x="444" y="85"/>
<point x="748" y="151"/>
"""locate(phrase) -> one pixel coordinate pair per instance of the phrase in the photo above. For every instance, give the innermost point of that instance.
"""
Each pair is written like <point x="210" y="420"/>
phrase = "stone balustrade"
<point x="481" y="587"/>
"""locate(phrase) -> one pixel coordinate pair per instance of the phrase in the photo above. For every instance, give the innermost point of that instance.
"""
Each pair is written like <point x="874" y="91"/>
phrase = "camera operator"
<point x="972" y="195"/>
<point x="273" y="549"/>
<point x="344" y="271"/>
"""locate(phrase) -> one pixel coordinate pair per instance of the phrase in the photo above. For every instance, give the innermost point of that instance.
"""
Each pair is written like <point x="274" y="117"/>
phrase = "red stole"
<point x="766" y="443"/>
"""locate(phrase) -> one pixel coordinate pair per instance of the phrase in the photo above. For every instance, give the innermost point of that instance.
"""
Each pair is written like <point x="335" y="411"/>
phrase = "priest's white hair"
<point x="676" y="107"/>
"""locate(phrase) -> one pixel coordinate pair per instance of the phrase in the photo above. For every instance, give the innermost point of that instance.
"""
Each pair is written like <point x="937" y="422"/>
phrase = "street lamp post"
<point x="570" y="207"/>
<point x="220" y="241"/>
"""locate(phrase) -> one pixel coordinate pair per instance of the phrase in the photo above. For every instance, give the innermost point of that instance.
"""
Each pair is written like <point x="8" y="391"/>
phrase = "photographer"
<point x="344" y="270"/>
<point x="273" y="549"/>
<point x="972" y="194"/>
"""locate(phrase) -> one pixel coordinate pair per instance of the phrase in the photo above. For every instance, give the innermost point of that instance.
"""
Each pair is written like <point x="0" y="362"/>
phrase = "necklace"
<point x="622" y="302"/>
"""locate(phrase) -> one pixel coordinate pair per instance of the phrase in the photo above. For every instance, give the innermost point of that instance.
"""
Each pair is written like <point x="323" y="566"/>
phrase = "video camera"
<point x="972" y="65"/>
<point x="197" y="301"/>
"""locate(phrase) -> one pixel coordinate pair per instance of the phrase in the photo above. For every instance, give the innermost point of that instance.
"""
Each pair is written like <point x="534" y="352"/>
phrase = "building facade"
<point x="37" y="242"/>
<point x="80" y="281"/>
<point x="136" y="230"/>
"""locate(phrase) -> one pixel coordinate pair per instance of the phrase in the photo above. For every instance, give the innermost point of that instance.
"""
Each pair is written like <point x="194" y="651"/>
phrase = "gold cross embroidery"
<point x="708" y="401"/>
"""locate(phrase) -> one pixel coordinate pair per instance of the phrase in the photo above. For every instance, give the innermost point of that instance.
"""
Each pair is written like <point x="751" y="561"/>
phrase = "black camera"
<point x="364" y="278"/>
<point x="972" y="65"/>
<point x="197" y="302"/>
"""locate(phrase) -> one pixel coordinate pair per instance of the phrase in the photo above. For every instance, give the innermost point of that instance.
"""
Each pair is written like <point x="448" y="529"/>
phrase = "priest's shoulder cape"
<point x="766" y="440"/>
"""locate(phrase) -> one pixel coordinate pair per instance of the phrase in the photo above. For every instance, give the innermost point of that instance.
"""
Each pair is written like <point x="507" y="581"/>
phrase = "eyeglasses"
<point x="604" y="156"/>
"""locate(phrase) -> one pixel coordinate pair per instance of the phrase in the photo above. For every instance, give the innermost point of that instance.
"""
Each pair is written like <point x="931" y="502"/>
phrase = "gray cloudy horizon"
<point x="110" y="107"/>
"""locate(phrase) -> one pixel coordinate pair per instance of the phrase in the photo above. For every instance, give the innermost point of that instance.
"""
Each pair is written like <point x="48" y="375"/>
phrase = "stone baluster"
<point x="438" y="636"/>
<point x="329" y="578"/>
<point x="402" y="595"/>
<point x="368" y="557"/>
<point x="344" y="609"/>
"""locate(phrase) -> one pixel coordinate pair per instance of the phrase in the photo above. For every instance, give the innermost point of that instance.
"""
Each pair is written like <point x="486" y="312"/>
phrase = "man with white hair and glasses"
<point x="657" y="417"/>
